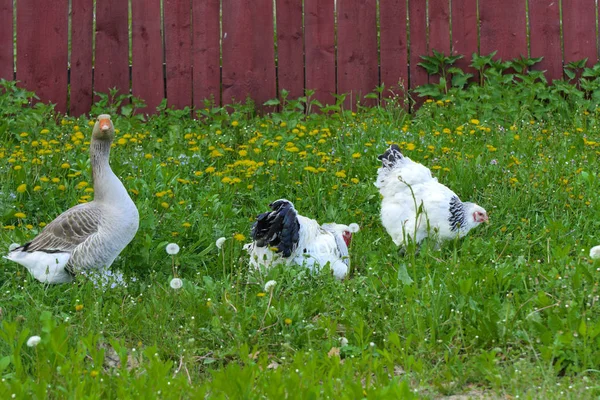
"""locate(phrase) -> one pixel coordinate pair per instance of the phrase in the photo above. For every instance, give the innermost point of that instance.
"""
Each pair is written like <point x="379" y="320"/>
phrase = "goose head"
<point x="104" y="129"/>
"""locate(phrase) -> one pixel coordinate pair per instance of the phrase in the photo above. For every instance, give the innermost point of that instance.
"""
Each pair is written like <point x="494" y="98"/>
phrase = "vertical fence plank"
<point x="393" y="53"/>
<point x="112" y="47"/>
<point x="42" y="44"/>
<point x="544" y="36"/>
<point x="503" y="28"/>
<point x="357" y="72"/>
<point x="206" y="54"/>
<point x="417" y="21"/>
<point x="290" y="47"/>
<point x="464" y="32"/>
<point x="319" y="47"/>
<point x="439" y="30"/>
<point x="81" y="57"/>
<point x="178" y="52"/>
<point x="147" y="80"/>
<point x="439" y="26"/>
<point x="248" y="51"/>
<point x="579" y="30"/>
<point x="6" y="40"/>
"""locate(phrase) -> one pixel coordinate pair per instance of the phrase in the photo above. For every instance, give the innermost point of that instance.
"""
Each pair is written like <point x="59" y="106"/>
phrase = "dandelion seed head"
<point x="172" y="249"/>
<point x="270" y="285"/>
<point x="595" y="253"/>
<point x="220" y="241"/>
<point x="176" y="283"/>
<point x="33" y="341"/>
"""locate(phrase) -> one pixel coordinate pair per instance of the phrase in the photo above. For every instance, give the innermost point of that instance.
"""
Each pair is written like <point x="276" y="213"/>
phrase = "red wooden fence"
<point x="228" y="50"/>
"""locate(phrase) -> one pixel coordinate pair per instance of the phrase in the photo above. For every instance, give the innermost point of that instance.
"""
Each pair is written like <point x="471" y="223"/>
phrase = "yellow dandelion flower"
<point x="186" y="224"/>
<point x="148" y="156"/>
<point x="243" y="153"/>
<point x="209" y="170"/>
<point x="91" y="190"/>
<point x="249" y="187"/>
<point x="239" y="237"/>
<point x="216" y="153"/>
<point x="354" y="180"/>
<point x="356" y="155"/>
<point x="340" y="174"/>
<point x="9" y="227"/>
<point x="62" y="187"/>
<point x="22" y="188"/>
<point x="20" y="215"/>
<point x="164" y="204"/>
<point x="475" y="121"/>
<point x="288" y="321"/>
<point x="65" y="165"/>
<point x="37" y="188"/>
<point x="79" y="307"/>
<point x="235" y="123"/>
<point x="411" y="146"/>
<point x="17" y="167"/>
<point x="261" y="294"/>
<point x="44" y="131"/>
<point x="226" y="180"/>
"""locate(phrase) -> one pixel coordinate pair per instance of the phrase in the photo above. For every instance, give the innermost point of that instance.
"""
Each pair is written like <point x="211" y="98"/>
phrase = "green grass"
<point x="510" y="310"/>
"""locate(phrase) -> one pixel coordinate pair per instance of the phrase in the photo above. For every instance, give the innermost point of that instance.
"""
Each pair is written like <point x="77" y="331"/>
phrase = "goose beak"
<point x="104" y="124"/>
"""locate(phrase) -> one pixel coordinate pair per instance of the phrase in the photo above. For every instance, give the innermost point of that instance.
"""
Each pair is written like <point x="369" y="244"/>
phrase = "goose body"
<point x="88" y="236"/>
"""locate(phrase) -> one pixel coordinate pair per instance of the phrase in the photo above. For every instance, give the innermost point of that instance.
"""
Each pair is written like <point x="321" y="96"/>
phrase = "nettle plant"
<point x="525" y="94"/>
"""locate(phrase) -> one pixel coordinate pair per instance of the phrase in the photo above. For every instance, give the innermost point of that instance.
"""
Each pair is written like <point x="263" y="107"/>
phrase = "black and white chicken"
<point x="416" y="206"/>
<point x="282" y="236"/>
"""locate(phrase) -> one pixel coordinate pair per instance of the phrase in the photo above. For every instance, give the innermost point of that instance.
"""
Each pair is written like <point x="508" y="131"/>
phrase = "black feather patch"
<point x="278" y="228"/>
<point x="391" y="156"/>
<point x="26" y="246"/>
<point x="457" y="214"/>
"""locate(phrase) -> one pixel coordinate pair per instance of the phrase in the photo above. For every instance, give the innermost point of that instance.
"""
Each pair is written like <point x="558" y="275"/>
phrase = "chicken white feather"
<point x="282" y="236"/>
<point x="416" y="206"/>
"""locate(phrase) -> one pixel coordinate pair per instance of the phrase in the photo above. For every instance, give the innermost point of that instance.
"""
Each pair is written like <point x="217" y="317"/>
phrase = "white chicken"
<point x="416" y="206"/>
<point x="282" y="236"/>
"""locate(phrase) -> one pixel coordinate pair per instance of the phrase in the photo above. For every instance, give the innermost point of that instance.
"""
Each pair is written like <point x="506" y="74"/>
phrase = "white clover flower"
<point x="343" y="341"/>
<point x="13" y="246"/>
<point x="595" y="252"/>
<point x="220" y="242"/>
<point x="176" y="283"/>
<point x="172" y="249"/>
<point x="33" y="341"/>
<point x="372" y="344"/>
<point x="270" y="285"/>
<point x="354" y="227"/>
